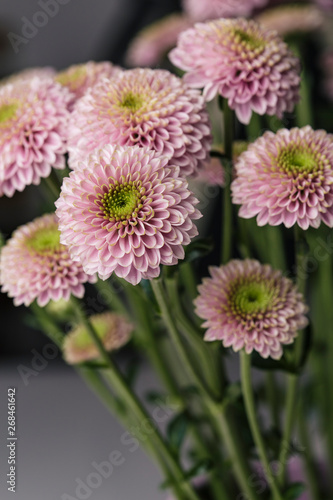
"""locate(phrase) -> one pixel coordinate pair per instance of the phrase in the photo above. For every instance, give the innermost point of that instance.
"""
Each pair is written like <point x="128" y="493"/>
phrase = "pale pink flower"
<point x="152" y="43"/>
<point x="33" y="132"/>
<point x="213" y="173"/>
<point x="291" y="19"/>
<point x="35" y="265"/>
<point x="79" y="78"/>
<point x="145" y="107"/>
<point x="249" y="66"/>
<point x="287" y="178"/>
<point x="126" y="210"/>
<point x="250" y="306"/>
<point x="113" y="330"/>
<point x="202" y="10"/>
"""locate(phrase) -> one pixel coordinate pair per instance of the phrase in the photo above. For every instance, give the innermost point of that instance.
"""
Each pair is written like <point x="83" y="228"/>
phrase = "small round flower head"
<point x="78" y="79"/>
<point x="33" y="132"/>
<point x="287" y="178"/>
<point x="212" y="174"/>
<point x="35" y="265"/>
<point x="247" y="65"/>
<point x="125" y="210"/>
<point x="250" y="306"/>
<point x="153" y="42"/>
<point x="145" y="107"/>
<point x="291" y="19"/>
<point x="202" y="10"/>
<point x="113" y="330"/>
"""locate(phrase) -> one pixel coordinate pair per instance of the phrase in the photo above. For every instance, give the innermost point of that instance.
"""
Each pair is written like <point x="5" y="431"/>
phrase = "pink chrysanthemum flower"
<point x="125" y="210"/>
<point x="250" y="306"/>
<point x="287" y="178"/>
<point x="291" y="19"/>
<point x="145" y="107"/>
<point x="113" y="330"/>
<point x="244" y="63"/>
<point x="33" y="132"/>
<point x="153" y="42"/>
<point x="202" y="10"/>
<point x="35" y="265"/>
<point x="79" y="78"/>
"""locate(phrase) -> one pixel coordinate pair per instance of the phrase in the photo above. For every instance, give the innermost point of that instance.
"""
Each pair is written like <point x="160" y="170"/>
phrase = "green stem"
<point x="228" y="118"/>
<point x="247" y="389"/>
<point x="111" y="296"/>
<point x="188" y="278"/>
<point x="52" y="186"/>
<point x="160" y="450"/>
<point x="272" y="398"/>
<point x="206" y="354"/>
<point x="47" y="324"/>
<point x="216" y="412"/>
<point x="291" y="405"/>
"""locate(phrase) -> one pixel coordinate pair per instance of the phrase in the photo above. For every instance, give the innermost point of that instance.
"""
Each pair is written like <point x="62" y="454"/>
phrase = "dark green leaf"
<point x="198" y="248"/>
<point x="294" y="491"/>
<point x="177" y="430"/>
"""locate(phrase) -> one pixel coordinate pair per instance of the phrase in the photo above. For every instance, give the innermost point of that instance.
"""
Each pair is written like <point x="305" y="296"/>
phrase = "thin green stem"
<point x="111" y="296"/>
<point x="47" y="324"/>
<point x="52" y="186"/>
<point x="247" y="389"/>
<point x="216" y="412"/>
<point x="272" y="398"/>
<point x="161" y="452"/>
<point x="228" y="118"/>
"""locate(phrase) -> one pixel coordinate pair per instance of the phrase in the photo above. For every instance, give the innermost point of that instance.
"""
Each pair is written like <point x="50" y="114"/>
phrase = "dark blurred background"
<point x="82" y="30"/>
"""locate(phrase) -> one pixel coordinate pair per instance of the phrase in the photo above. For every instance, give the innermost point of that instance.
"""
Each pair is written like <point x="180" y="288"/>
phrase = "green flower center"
<point x="131" y="101"/>
<point x="45" y="240"/>
<point x="294" y="160"/>
<point x="8" y="111"/>
<point x="248" y="39"/>
<point x="122" y="202"/>
<point x="251" y="298"/>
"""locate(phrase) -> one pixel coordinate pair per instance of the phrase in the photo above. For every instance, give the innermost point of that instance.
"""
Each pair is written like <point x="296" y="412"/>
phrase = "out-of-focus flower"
<point x="113" y="330"/>
<point x="291" y="19"/>
<point x="126" y="210"/>
<point x="287" y="178"/>
<point x="250" y="306"/>
<point x="212" y="173"/>
<point x="33" y="132"/>
<point x="28" y="74"/>
<point x="325" y="4"/>
<point x="203" y="10"/>
<point x="145" y="107"/>
<point x="249" y="66"/>
<point x="153" y="42"/>
<point x="79" y="78"/>
<point x="34" y="265"/>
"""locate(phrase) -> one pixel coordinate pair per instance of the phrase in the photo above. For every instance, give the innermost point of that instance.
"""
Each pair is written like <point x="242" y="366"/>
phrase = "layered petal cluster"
<point x="33" y="131"/>
<point x="153" y="42"/>
<point x="79" y="78"/>
<point x="126" y="210"/>
<point x="203" y="10"/>
<point x="35" y="265"/>
<point x="246" y="64"/>
<point x="113" y="330"/>
<point x="291" y="19"/>
<point x="145" y="107"/>
<point x="287" y="178"/>
<point x="250" y="306"/>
